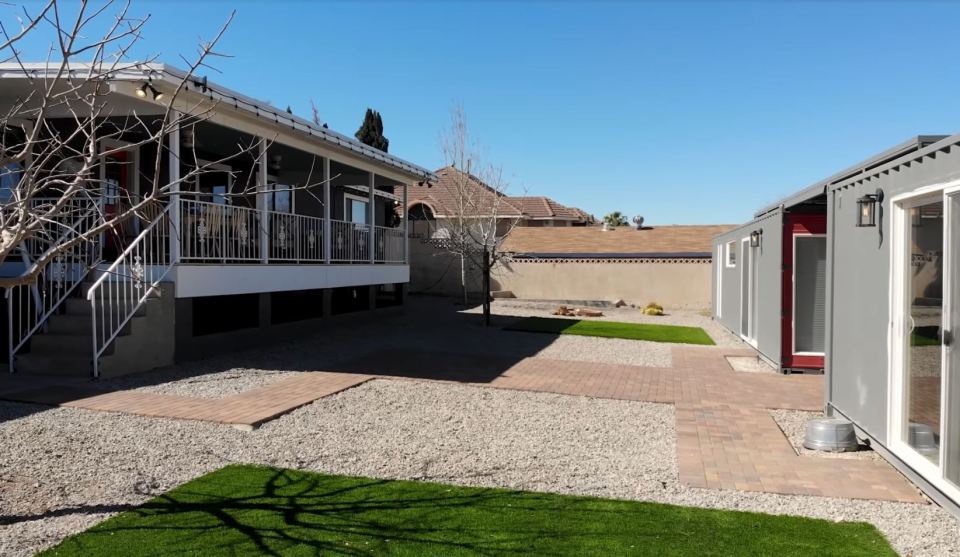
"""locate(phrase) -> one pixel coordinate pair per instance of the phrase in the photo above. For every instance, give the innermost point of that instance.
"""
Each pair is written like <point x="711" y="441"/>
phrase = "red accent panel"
<point x="794" y="225"/>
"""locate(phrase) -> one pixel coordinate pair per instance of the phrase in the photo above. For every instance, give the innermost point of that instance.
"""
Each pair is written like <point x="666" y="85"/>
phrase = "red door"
<point x="115" y="195"/>
<point x="803" y="286"/>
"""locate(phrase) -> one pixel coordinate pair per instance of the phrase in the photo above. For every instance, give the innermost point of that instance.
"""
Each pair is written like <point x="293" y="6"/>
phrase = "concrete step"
<point x="81" y="306"/>
<point x="66" y="344"/>
<point x="69" y="324"/>
<point x="54" y="364"/>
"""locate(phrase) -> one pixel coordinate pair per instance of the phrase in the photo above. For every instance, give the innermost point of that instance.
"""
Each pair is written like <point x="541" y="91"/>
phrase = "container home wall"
<point x="862" y="331"/>
<point x="859" y="315"/>
<point x="751" y="308"/>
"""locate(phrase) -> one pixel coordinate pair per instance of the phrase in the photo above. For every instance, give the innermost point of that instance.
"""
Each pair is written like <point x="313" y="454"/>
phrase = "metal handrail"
<point x="140" y="267"/>
<point x="59" y="279"/>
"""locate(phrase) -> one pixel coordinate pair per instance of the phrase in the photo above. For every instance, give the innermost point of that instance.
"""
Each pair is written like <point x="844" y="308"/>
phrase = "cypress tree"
<point x="371" y="131"/>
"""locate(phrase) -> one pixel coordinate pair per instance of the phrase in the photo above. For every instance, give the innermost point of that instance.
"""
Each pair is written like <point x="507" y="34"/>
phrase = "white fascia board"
<point x="219" y="280"/>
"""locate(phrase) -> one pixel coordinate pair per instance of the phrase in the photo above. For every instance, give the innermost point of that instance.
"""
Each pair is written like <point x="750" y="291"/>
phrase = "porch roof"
<point x="199" y="84"/>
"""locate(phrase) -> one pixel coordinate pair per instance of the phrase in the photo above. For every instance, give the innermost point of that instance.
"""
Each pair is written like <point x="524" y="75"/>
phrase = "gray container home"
<point x="862" y="270"/>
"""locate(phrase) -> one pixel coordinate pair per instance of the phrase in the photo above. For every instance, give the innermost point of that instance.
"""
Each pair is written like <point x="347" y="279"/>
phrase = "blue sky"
<point x="682" y="112"/>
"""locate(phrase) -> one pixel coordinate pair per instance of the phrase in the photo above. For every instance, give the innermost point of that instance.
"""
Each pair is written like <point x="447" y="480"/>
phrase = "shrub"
<point x="652" y="308"/>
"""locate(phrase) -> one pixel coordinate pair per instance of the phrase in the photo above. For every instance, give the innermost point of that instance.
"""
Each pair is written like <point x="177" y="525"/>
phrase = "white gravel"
<point x="76" y="467"/>
<point x="793" y="423"/>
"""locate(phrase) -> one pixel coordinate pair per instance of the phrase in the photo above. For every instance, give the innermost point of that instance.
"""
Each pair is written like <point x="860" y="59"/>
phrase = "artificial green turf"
<point x="925" y="336"/>
<point x="245" y="510"/>
<point x="613" y="329"/>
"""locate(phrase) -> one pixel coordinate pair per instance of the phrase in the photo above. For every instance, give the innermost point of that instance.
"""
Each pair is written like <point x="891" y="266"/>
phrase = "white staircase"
<point x="65" y="347"/>
<point x="91" y="320"/>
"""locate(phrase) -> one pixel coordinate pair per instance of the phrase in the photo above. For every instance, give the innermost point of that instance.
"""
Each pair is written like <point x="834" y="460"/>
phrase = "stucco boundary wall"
<point x="680" y="283"/>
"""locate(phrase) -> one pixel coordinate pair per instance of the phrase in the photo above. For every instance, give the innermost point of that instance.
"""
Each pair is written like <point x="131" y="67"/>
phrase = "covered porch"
<point x="259" y="201"/>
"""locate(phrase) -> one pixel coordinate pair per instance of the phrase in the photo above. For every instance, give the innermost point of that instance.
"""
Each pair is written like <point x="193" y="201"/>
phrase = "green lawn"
<point x="925" y="336"/>
<point x="612" y="329"/>
<point x="252" y="510"/>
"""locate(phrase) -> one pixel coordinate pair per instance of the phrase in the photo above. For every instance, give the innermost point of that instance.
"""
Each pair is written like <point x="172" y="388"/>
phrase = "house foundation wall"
<point x="336" y="307"/>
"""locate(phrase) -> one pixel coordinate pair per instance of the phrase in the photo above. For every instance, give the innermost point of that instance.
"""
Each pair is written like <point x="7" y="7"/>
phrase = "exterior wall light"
<point x="755" y="238"/>
<point x="142" y="92"/>
<point x="867" y="207"/>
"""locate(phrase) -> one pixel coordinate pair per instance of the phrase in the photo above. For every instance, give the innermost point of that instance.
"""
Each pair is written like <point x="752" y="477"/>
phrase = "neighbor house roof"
<point x="544" y="208"/>
<point x="621" y="242"/>
<point x="454" y="191"/>
<point x="171" y="77"/>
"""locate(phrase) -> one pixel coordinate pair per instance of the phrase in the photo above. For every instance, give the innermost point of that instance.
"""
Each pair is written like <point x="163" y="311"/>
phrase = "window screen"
<point x="810" y="293"/>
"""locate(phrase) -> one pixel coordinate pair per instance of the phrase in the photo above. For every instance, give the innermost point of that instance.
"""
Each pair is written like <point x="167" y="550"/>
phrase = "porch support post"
<point x="406" y="227"/>
<point x="173" y="177"/>
<point x="371" y="217"/>
<point x="262" y="193"/>
<point x="326" y="210"/>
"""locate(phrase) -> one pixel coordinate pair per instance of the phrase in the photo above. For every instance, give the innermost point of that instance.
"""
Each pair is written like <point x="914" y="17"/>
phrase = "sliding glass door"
<point x="926" y="365"/>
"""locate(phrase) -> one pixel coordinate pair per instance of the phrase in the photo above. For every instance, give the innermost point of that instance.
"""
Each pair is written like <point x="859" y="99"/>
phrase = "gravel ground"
<point x="793" y="423"/>
<point x="441" y="327"/>
<point x="63" y="470"/>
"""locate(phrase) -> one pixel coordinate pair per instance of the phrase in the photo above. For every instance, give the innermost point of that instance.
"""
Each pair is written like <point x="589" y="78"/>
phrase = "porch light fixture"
<point x="144" y="87"/>
<point x="867" y="208"/>
<point x="274" y="164"/>
<point x="755" y="237"/>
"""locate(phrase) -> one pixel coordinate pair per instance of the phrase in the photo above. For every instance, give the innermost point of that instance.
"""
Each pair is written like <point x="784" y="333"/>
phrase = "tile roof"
<point x="444" y="197"/>
<point x="584" y="240"/>
<point x="454" y="188"/>
<point x="540" y="207"/>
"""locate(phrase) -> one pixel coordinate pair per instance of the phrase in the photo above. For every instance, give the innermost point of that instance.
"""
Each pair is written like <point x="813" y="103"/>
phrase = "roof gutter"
<point x="173" y="76"/>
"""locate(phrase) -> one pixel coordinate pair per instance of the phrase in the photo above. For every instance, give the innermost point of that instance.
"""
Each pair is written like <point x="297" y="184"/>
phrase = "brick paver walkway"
<point x="247" y="409"/>
<point x="725" y="437"/>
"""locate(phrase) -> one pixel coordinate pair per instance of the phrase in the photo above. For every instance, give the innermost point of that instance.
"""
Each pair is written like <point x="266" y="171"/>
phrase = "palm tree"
<point x="615" y="218"/>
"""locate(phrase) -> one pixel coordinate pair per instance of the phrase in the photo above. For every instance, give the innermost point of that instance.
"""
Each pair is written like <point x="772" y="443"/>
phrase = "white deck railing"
<point x="29" y="306"/>
<point x="224" y="234"/>
<point x="218" y="233"/>
<point x="349" y="242"/>
<point x="389" y="244"/>
<point x="295" y="238"/>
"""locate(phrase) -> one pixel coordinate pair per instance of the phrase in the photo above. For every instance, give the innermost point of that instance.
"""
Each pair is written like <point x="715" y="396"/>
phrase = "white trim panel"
<point x="218" y="280"/>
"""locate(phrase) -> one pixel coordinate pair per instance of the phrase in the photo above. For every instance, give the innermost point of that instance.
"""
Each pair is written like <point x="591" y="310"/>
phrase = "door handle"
<point x="946" y="337"/>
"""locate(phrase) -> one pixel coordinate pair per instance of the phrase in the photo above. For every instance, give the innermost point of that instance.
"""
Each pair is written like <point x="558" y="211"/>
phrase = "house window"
<point x="355" y="209"/>
<point x="280" y="198"/>
<point x="215" y="182"/>
<point x="731" y="254"/>
<point x="219" y="195"/>
<point x="9" y="178"/>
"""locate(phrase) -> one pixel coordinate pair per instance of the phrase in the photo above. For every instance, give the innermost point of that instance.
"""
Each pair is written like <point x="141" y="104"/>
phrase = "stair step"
<point x="47" y="364"/>
<point x="81" y="306"/>
<point x="71" y="344"/>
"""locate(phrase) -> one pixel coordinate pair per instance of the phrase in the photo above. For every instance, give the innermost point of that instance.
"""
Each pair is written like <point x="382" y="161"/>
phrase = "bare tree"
<point x="51" y="173"/>
<point x="480" y="217"/>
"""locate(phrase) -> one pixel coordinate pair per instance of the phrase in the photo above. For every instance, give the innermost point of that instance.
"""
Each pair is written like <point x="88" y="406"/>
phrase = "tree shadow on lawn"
<point x="253" y="510"/>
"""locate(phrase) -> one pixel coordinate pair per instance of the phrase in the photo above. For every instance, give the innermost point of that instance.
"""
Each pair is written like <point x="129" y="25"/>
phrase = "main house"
<point x="219" y="261"/>
<point x="858" y="275"/>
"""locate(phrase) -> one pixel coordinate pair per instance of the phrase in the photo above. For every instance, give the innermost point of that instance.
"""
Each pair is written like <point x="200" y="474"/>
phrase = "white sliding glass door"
<point x="925" y="370"/>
